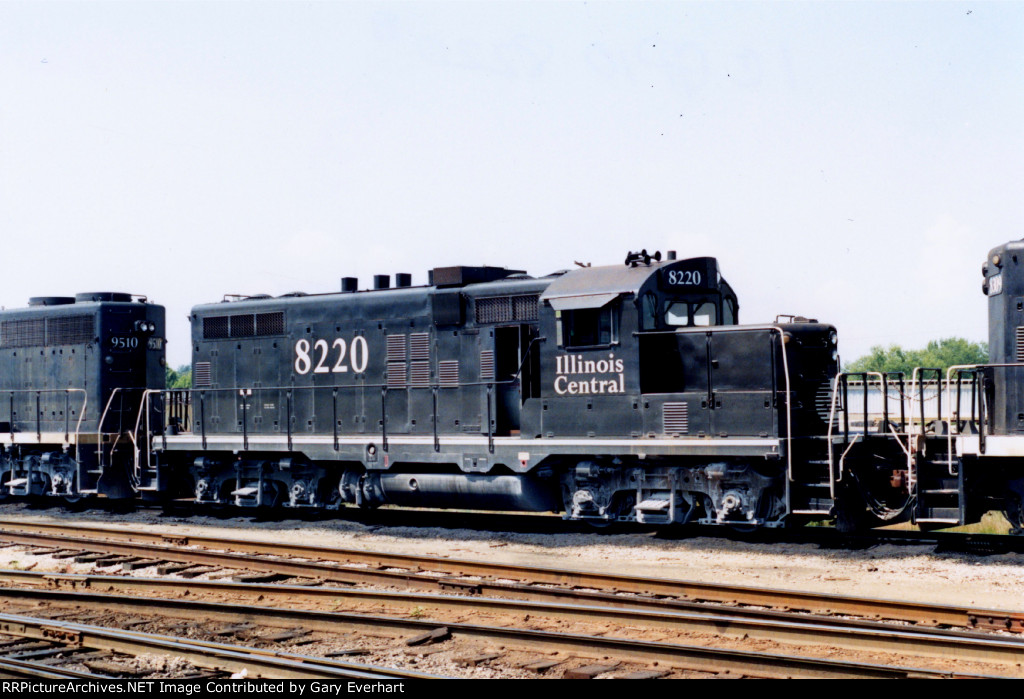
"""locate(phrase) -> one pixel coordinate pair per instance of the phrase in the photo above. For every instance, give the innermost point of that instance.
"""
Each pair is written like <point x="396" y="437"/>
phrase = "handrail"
<point x="435" y="387"/>
<point x="833" y="478"/>
<point x="981" y="405"/>
<point x="38" y="419"/>
<point x="103" y="418"/>
<point x="836" y="475"/>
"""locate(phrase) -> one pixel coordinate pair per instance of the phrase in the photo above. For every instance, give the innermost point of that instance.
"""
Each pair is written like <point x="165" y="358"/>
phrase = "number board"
<point x="698" y="274"/>
<point x="123" y="343"/>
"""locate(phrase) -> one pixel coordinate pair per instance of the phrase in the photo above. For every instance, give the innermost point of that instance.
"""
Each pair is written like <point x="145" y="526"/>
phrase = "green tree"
<point x="940" y="354"/>
<point x="180" y="378"/>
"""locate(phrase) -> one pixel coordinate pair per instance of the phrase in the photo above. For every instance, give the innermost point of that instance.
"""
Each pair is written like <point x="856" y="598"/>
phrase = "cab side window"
<point x="649" y="312"/>
<point x="590" y="327"/>
<point x="729" y="310"/>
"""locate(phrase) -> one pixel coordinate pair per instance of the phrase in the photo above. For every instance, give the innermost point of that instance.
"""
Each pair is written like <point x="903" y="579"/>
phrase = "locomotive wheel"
<point x="1014" y="513"/>
<point x="76" y="503"/>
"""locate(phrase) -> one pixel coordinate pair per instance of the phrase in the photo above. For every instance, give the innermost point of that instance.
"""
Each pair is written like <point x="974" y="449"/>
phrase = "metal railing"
<point x="39" y="412"/>
<point x="198" y="397"/>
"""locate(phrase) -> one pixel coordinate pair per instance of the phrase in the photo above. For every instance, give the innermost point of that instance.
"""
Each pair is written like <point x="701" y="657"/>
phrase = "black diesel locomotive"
<point x="623" y="392"/>
<point x="73" y="374"/>
<point x="619" y="393"/>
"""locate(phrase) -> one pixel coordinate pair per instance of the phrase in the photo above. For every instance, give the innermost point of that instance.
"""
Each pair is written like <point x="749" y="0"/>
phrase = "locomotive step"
<point x="940" y="514"/>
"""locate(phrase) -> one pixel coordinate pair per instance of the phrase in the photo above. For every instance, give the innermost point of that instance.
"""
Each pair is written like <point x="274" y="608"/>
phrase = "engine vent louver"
<point x="202" y="376"/>
<point x="487" y="365"/>
<point x="419" y="346"/>
<point x="823" y="403"/>
<point x="676" y="418"/>
<point x="448" y="373"/>
<point x="396" y="375"/>
<point x="395" y="348"/>
<point x="419" y="374"/>
<point x="1020" y="343"/>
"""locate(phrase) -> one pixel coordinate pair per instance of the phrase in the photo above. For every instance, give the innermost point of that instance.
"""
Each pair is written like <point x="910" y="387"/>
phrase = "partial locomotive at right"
<point x="620" y="393"/>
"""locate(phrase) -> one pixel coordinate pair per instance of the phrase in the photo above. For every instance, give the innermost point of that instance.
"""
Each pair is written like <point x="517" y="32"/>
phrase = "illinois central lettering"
<point x="596" y="376"/>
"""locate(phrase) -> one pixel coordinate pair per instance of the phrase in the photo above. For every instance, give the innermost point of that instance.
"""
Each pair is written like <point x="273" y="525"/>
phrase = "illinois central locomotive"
<point x="625" y="392"/>
<point x="621" y="393"/>
<point x="73" y="373"/>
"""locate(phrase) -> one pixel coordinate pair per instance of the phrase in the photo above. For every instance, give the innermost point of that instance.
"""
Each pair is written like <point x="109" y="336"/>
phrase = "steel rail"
<point x="218" y="656"/>
<point x="776" y="626"/>
<point x="14" y="668"/>
<point x="699" y="658"/>
<point x="119" y="541"/>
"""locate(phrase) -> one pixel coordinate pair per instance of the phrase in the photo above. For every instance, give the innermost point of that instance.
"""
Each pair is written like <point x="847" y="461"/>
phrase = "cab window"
<point x="649" y="312"/>
<point x="677" y="313"/>
<point x="704" y="314"/>
<point x="729" y="311"/>
<point x="701" y="313"/>
<point x="590" y="327"/>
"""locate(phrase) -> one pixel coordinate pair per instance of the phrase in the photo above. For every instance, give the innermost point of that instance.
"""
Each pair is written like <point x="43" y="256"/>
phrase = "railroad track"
<point x="608" y="607"/>
<point x="607" y="652"/>
<point x="301" y="602"/>
<point x="73" y="642"/>
<point x="133" y="550"/>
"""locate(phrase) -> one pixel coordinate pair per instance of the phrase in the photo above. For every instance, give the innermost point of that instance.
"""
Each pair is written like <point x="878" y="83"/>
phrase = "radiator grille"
<point x="448" y="372"/>
<point x="396" y="374"/>
<point x="215" y="327"/>
<point x="270" y="323"/>
<point x="70" y="330"/>
<point x="525" y="307"/>
<point x="23" y="333"/>
<point x="676" y="418"/>
<point x="487" y="365"/>
<point x="396" y="348"/>
<point x="202" y="375"/>
<point x="243" y="325"/>
<point x="494" y="310"/>
<point x="502" y="309"/>
<point x="39" y="332"/>
<point x="1020" y="343"/>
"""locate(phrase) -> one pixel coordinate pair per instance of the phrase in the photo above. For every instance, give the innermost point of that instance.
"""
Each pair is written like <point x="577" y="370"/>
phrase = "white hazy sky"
<point x="850" y="161"/>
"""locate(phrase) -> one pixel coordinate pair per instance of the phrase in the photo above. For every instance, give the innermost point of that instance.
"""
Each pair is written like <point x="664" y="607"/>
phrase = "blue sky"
<point x="850" y="161"/>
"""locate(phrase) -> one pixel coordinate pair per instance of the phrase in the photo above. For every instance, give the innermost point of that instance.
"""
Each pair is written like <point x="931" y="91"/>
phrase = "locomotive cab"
<point x="614" y="330"/>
